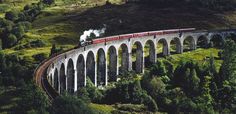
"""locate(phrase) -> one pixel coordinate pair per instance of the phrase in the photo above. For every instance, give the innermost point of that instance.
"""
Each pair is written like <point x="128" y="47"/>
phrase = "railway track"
<point x="40" y="76"/>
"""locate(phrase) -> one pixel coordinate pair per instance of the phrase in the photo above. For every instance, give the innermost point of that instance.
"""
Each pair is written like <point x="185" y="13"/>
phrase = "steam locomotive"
<point x="134" y="35"/>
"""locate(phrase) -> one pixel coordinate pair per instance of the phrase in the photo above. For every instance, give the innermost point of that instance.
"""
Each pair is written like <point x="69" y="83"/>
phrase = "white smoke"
<point x="97" y="33"/>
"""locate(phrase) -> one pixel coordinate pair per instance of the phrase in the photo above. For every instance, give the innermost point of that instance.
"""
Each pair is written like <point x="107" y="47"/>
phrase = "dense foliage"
<point x="193" y="87"/>
<point x="14" y="70"/>
<point x="16" y="23"/>
<point x="49" y="2"/>
<point x="68" y="104"/>
<point x="189" y="87"/>
<point x="33" y="100"/>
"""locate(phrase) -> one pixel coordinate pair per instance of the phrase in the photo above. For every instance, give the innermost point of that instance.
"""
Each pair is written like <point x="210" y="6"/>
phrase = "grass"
<point x="64" y="22"/>
<point x="199" y="55"/>
<point x="101" y="107"/>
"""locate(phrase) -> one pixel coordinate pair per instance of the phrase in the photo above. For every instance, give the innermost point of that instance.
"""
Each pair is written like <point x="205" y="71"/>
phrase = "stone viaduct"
<point x="103" y="62"/>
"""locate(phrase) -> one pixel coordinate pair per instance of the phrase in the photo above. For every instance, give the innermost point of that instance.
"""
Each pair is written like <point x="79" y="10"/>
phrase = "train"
<point x="134" y="35"/>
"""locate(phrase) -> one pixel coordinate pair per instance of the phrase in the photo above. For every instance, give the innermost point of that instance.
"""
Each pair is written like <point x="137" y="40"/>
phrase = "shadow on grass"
<point x="133" y="17"/>
<point x="64" y="40"/>
<point x="126" y="18"/>
<point x="8" y="100"/>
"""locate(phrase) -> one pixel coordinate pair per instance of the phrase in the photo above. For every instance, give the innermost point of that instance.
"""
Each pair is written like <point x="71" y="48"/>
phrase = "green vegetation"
<point x="199" y="55"/>
<point x="71" y="105"/>
<point x="64" y="22"/>
<point x="8" y="5"/>
<point x="200" y="81"/>
<point x="102" y="107"/>
<point x="16" y="23"/>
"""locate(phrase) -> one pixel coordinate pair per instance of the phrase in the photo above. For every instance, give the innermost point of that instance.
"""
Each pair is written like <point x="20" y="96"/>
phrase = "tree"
<point x="21" y="17"/>
<point x="170" y="68"/>
<point x="155" y="87"/>
<point x="158" y="69"/>
<point x="25" y="24"/>
<point x="10" y="40"/>
<point x="69" y="104"/>
<point x="32" y="98"/>
<point x="3" y="64"/>
<point x="83" y="94"/>
<point x="194" y="82"/>
<point x="0" y="44"/>
<point x="49" y="2"/>
<point x="205" y="91"/>
<point x="205" y="101"/>
<point x="27" y="7"/>
<point x="185" y="76"/>
<point x="11" y="15"/>
<point x="53" y="49"/>
<point x="18" y="31"/>
<point x="40" y="57"/>
<point x="228" y="67"/>
<point x="187" y="105"/>
<point x="227" y="77"/>
<point x="149" y="102"/>
<point x="94" y="94"/>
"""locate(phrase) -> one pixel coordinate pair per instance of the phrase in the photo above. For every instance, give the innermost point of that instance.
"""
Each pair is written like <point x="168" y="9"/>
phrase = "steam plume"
<point x="97" y="33"/>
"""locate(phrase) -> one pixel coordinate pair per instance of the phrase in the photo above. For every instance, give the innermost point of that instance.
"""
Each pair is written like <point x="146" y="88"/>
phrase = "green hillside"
<point x="64" y="22"/>
<point x="197" y="81"/>
<point x="8" y="5"/>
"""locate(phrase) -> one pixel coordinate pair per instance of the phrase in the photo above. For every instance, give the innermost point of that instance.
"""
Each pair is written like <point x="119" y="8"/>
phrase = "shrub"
<point x="94" y="94"/>
<point x="25" y="24"/>
<point x="27" y="7"/>
<point x="83" y="94"/>
<point x="37" y="43"/>
<point x="49" y="2"/>
<point x="54" y="49"/>
<point x="10" y="40"/>
<point x="150" y="103"/>
<point x="170" y="68"/>
<point x="21" y="17"/>
<point x="11" y="15"/>
<point x="4" y="7"/>
<point x="40" y="57"/>
<point x="0" y="44"/>
<point x="18" y="31"/>
<point x="32" y="98"/>
<point x="69" y="104"/>
<point x="158" y="69"/>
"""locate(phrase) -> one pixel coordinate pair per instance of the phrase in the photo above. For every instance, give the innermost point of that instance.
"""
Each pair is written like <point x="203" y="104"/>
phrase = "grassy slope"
<point x="200" y="56"/>
<point x="103" y="108"/>
<point x="63" y="24"/>
<point x="14" y="5"/>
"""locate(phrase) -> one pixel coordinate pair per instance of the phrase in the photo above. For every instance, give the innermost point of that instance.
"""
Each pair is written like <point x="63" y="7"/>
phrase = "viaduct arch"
<point x="103" y="62"/>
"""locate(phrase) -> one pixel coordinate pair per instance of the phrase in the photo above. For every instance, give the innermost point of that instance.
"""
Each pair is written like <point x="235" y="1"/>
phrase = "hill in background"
<point x="64" y="22"/>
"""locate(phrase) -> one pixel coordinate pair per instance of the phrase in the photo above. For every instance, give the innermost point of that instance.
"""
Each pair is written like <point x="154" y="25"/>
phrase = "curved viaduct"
<point x="103" y="62"/>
